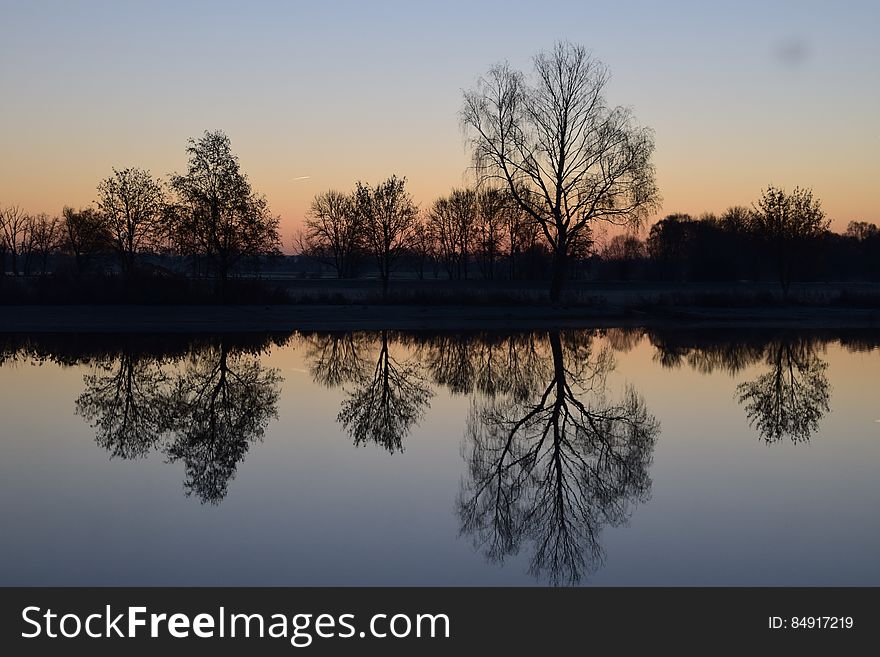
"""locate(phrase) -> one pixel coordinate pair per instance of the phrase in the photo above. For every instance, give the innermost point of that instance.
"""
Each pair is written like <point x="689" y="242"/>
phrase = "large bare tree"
<point x="131" y="203"/>
<point x="567" y="157"/>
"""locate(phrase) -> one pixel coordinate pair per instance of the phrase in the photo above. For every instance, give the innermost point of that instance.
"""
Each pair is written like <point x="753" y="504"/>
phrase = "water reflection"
<point x="204" y="409"/>
<point x="791" y="397"/>
<point x="553" y="468"/>
<point x="221" y="402"/>
<point x="554" y="450"/>
<point x="485" y="363"/>
<point x="384" y="401"/>
<point x="336" y="358"/>
<point x="128" y="405"/>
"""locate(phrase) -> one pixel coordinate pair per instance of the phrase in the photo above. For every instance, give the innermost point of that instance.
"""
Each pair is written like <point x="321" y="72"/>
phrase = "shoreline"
<point x="276" y="318"/>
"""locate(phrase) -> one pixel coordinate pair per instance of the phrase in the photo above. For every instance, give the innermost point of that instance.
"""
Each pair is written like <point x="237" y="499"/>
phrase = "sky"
<point x="317" y="95"/>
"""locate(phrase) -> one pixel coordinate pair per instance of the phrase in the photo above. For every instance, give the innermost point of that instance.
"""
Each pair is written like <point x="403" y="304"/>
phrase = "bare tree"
<point x="217" y="214"/>
<point x="84" y="235"/>
<point x="13" y="225"/>
<point x="785" y="223"/>
<point x="490" y="230"/>
<point x="333" y="232"/>
<point x="862" y="231"/>
<point x="452" y="224"/>
<point x="567" y="158"/>
<point x="390" y="219"/>
<point x="46" y="238"/>
<point x="131" y="202"/>
<point x="423" y="246"/>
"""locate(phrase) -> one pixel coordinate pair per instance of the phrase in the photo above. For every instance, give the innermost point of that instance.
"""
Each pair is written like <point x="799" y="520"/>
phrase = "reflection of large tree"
<point x="791" y="397"/>
<point x="386" y="403"/>
<point x="552" y="470"/>
<point x="204" y="410"/>
<point x="128" y="405"/>
<point x="224" y="402"/>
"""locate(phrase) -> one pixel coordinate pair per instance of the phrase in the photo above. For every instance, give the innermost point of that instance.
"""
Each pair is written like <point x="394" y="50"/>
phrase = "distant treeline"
<point x="184" y="240"/>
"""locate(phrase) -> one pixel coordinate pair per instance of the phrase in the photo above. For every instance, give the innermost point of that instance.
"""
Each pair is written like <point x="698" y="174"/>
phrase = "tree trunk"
<point x="560" y="263"/>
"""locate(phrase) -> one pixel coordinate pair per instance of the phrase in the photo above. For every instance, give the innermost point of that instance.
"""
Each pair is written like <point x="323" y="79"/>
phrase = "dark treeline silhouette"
<point x="743" y="244"/>
<point x="553" y="162"/>
<point x="470" y="238"/>
<point x="144" y="240"/>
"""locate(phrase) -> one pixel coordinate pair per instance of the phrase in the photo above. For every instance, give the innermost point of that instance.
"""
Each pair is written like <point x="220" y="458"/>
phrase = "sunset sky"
<point x="317" y="95"/>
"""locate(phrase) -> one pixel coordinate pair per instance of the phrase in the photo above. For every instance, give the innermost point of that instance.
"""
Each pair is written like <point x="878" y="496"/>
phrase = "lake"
<point x="572" y="457"/>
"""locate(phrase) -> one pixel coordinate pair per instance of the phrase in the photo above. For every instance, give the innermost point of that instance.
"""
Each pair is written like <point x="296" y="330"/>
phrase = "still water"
<point x="595" y="457"/>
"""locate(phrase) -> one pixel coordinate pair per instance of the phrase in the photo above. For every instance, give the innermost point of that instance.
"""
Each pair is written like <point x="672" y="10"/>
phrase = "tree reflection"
<point x="553" y="469"/>
<point x="204" y="410"/>
<point x="336" y="358"/>
<point x="489" y="364"/>
<point x="791" y="397"/>
<point x="129" y="405"/>
<point x="386" y="404"/>
<point x="708" y="352"/>
<point x="223" y="402"/>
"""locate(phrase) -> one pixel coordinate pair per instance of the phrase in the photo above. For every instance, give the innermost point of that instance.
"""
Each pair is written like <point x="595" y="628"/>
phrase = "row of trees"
<point x="465" y="234"/>
<point x="210" y="211"/>
<point x="553" y="159"/>
<point x="783" y="235"/>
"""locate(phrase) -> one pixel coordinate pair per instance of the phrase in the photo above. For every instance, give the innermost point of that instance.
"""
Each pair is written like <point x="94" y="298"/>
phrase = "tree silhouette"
<point x="128" y="406"/>
<point x="389" y="219"/>
<point x="224" y="401"/>
<point x="13" y="231"/>
<point x="216" y="213"/>
<point x="551" y="471"/>
<point x="452" y="224"/>
<point x="785" y="223"/>
<point x="384" y="406"/>
<point x="84" y="235"/>
<point x="46" y="238"/>
<point x="567" y="158"/>
<point x="334" y="232"/>
<point x="131" y="202"/>
<point x="790" y="398"/>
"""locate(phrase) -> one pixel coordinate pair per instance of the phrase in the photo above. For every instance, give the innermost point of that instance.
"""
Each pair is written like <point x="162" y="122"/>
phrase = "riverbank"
<point x="244" y="318"/>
